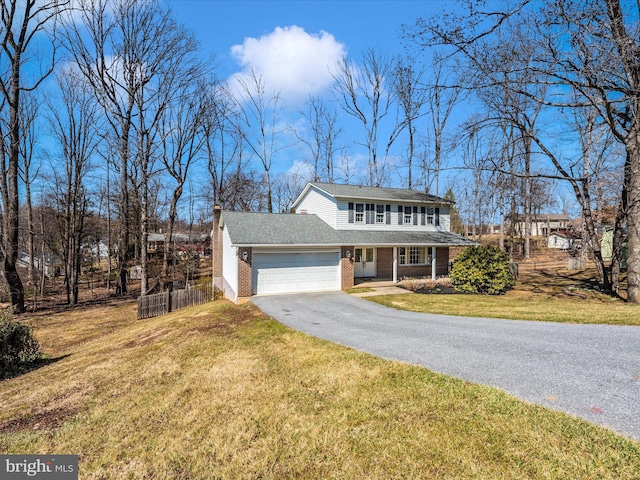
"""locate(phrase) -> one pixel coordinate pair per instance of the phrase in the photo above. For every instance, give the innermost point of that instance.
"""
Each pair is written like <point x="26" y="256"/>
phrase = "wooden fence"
<point x="577" y="263"/>
<point x="160" y="303"/>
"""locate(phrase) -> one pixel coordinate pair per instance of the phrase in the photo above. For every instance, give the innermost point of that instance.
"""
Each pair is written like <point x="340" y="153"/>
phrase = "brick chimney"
<point x="216" y="248"/>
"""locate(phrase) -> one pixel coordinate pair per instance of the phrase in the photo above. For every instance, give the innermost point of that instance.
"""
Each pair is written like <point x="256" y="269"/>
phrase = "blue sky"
<point x="357" y="24"/>
<point x="294" y="45"/>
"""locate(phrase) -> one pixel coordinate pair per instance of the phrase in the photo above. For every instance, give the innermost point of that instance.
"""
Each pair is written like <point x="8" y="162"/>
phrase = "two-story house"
<point x="337" y="234"/>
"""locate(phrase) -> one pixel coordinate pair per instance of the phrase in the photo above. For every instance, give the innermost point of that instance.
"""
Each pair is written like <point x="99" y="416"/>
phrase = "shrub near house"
<point x="483" y="269"/>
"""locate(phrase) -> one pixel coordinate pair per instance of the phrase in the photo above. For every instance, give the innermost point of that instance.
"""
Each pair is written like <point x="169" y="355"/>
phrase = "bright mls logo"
<point x="51" y="467"/>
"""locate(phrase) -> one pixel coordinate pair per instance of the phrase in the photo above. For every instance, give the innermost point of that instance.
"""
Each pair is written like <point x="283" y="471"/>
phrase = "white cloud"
<point x="291" y="61"/>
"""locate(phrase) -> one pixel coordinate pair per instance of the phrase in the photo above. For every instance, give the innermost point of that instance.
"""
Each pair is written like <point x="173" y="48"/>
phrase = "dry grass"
<point x="360" y="290"/>
<point x="545" y="293"/>
<point x="221" y="391"/>
<point x="415" y="284"/>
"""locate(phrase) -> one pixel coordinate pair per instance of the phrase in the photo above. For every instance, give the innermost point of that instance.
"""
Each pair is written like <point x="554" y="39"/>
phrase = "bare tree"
<point x="442" y="98"/>
<point x="223" y="144"/>
<point x="260" y="110"/>
<point x="131" y="54"/>
<point x="21" y="21"/>
<point x="28" y="172"/>
<point x="364" y="92"/>
<point x="288" y="185"/>
<point x="321" y="138"/>
<point x="583" y="54"/>
<point x="412" y="96"/>
<point x="74" y="122"/>
<point x="108" y="59"/>
<point x="179" y="129"/>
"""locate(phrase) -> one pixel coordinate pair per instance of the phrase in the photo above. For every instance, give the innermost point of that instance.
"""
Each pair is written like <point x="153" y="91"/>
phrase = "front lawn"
<point x="519" y="305"/>
<point x="551" y="293"/>
<point x="222" y="391"/>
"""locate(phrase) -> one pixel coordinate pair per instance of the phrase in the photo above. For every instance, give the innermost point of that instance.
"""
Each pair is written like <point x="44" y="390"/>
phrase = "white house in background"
<point x="337" y="234"/>
<point x="100" y="250"/>
<point x="563" y="240"/>
<point x="51" y="264"/>
<point x="543" y="224"/>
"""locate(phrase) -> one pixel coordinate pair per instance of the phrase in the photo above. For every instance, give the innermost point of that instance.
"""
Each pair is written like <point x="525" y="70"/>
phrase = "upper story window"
<point x="430" y="216"/>
<point x="359" y="212"/>
<point x="407" y="216"/>
<point x="380" y="216"/>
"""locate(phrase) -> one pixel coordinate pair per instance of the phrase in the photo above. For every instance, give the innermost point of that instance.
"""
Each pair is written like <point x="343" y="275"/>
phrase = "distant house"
<point x="563" y="239"/>
<point x="543" y="225"/>
<point x="50" y="267"/>
<point x="199" y="242"/>
<point x="99" y="250"/>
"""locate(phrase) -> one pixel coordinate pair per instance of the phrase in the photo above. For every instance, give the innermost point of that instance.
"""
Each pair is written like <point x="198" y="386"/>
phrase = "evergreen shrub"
<point x="18" y="347"/>
<point x="483" y="269"/>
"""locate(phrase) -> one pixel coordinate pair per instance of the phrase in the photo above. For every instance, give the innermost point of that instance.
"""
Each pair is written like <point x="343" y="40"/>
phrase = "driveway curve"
<point x="590" y="371"/>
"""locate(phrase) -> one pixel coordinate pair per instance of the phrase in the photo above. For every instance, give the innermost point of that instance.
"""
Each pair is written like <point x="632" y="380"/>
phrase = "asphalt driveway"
<point x="590" y="371"/>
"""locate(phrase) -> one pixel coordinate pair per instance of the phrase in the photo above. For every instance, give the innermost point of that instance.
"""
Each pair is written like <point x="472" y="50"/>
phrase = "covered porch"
<point x="392" y="263"/>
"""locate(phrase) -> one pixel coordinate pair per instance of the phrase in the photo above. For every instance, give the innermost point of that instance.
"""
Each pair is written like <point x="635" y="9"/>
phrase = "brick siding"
<point x="384" y="268"/>
<point x="346" y="268"/>
<point x="385" y="265"/>
<point x="442" y="261"/>
<point x="245" y="277"/>
<point x="216" y="246"/>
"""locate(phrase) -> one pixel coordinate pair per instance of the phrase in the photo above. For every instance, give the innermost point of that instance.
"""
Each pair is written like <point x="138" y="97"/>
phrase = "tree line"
<point x="516" y="98"/>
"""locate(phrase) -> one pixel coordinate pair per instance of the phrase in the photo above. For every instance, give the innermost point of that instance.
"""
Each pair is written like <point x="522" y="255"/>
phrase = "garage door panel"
<point x="295" y="272"/>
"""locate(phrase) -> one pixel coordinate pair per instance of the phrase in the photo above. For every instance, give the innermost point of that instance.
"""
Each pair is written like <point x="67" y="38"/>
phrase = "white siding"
<point x="343" y="219"/>
<point x="320" y="204"/>
<point x="445" y="219"/>
<point x="229" y="267"/>
<point x="556" y="241"/>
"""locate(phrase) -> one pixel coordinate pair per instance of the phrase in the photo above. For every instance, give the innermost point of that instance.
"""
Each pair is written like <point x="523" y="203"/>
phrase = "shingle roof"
<point x="378" y="193"/>
<point x="248" y="228"/>
<point x="278" y="229"/>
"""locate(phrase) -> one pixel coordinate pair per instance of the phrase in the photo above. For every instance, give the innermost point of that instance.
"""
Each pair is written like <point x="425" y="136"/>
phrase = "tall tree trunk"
<point x="527" y="197"/>
<point x="123" y="234"/>
<point x="632" y="182"/>
<point x="618" y="238"/>
<point x="12" y="208"/>
<point x="173" y="208"/>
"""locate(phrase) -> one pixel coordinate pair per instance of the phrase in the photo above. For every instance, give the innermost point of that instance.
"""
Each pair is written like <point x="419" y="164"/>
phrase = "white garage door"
<point x="295" y="272"/>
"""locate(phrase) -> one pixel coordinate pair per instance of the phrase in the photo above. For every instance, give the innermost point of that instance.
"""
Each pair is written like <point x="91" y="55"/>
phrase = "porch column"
<point x="395" y="264"/>
<point x="433" y="263"/>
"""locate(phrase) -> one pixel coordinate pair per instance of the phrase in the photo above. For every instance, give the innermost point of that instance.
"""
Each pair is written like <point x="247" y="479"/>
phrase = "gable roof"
<point x="569" y="234"/>
<point x="248" y="229"/>
<point x="338" y="190"/>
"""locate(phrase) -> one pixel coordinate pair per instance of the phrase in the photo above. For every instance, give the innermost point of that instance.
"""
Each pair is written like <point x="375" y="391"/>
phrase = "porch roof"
<point x="248" y="229"/>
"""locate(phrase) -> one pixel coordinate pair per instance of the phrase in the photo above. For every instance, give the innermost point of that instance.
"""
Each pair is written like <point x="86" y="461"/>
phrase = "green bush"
<point x="483" y="269"/>
<point x="18" y="347"/>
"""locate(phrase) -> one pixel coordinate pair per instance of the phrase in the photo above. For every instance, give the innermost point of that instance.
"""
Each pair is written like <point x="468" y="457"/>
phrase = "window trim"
<point x="380" y="214"/>
<point x="359" y="214"/>
<point x="404" y="256"/>
<point x="407" y="213"/>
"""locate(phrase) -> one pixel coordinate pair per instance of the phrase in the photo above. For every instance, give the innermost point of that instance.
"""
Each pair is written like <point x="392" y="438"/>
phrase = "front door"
<point x="364" y="262"/>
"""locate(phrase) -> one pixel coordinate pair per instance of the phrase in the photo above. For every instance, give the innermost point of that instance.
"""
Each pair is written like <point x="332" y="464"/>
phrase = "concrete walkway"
<point x="590" y="371"/>
<point x="379" y="287"/>
<point x="383" y="290"/>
